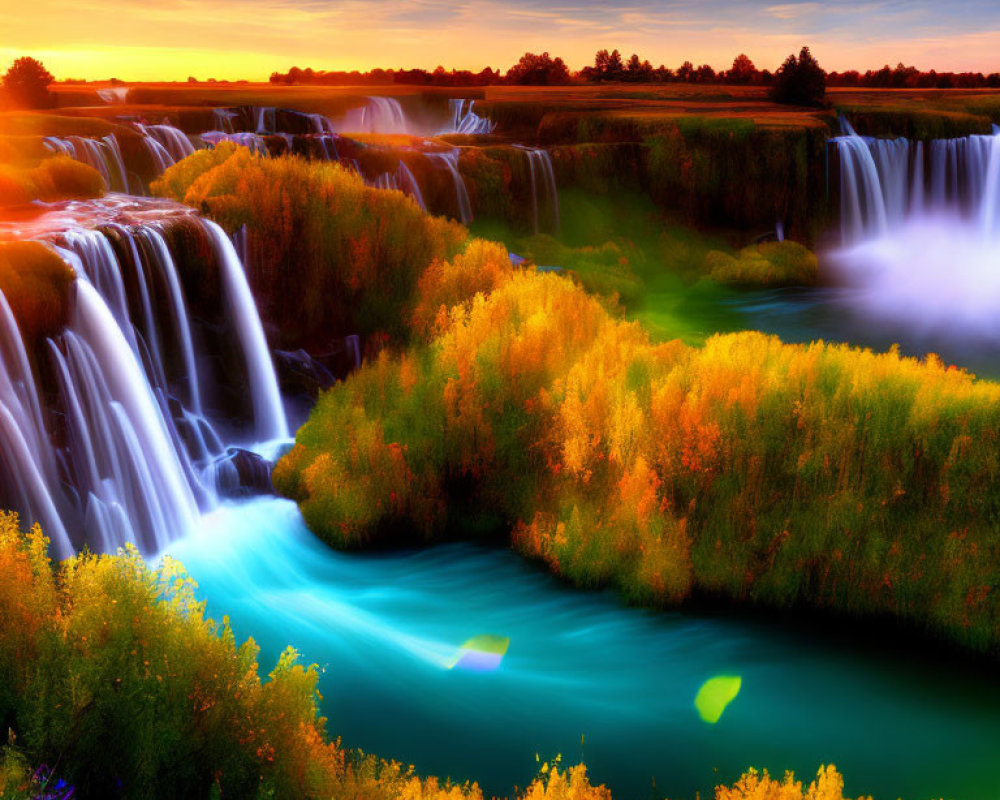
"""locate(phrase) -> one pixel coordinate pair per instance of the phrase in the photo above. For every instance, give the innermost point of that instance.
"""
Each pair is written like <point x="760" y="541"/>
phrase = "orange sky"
<point x="232" y="39"/>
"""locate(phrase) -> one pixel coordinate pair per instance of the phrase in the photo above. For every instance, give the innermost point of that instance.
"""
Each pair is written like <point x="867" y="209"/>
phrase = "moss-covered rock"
<point x="768" y="264"/>
<point x="36" y="283"/>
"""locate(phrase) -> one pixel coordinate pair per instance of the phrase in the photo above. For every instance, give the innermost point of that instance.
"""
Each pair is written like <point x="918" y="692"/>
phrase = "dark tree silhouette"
<point x="28" y="81"/>
<point x="800" y="81"/>
<point x="538" y="70"/>
<point x="743" y="70"/>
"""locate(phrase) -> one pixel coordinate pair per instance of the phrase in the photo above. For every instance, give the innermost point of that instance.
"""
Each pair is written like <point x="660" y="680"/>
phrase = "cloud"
<point x="251" y="38"/>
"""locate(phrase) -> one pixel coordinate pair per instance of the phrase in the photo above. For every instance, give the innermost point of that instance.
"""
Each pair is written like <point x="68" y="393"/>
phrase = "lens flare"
<point x="715" y="694"/>
<point x="481" y="653"/>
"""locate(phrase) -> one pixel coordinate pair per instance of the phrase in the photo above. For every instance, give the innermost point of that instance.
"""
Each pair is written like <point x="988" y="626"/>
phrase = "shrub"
<point x="359" y="250"/>
<point x="111" y="669"/>
<point x="56" y="178"/>
<point x="765" y="472"/>
<point x="769" y="264"/>
<point x="444" y="284"/>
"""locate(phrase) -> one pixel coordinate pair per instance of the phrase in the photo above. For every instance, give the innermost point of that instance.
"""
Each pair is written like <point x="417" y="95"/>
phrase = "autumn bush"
<point x="111" y="672"/>
<point x="784" y="475"/>
<point x="56" y="178"/>
<point x="327" y="253"/>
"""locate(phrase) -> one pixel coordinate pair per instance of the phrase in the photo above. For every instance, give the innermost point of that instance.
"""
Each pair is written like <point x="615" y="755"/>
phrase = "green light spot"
<point x="715" y="694"/>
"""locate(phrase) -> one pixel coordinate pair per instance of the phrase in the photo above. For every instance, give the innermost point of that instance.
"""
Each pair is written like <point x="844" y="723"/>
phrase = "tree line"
<point x="612" y="67"/>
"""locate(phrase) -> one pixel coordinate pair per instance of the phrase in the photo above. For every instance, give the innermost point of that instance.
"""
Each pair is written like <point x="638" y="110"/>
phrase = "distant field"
<point x="958" y="108"/>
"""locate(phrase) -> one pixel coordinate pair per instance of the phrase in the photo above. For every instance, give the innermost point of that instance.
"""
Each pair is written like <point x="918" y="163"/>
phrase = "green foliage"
<point x="786" y="475"/>
<point x="358" y="250"/>
<point x="769" y="264"/>
<point x="112" y="671"/>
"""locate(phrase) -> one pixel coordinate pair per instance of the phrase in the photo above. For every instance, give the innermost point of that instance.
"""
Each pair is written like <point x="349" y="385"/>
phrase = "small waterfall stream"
<point x="544" y="194"/>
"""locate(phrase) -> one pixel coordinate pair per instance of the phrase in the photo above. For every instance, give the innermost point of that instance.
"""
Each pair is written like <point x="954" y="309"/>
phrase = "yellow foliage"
<point x="829" y="785"/>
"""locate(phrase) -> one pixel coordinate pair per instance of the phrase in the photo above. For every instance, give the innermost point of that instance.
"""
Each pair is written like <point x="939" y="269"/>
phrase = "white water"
<point x="448" y="159"/>
<point x="921" y="234"/>
<point x="378" y="115"/>
<point x="544" y="194"/>
<point x="103" y="154"/>
<point x="125" y="453"/>
<point x="465" y="121"/>
<point x="118" y="94"/>
<point x="269" y="413"/>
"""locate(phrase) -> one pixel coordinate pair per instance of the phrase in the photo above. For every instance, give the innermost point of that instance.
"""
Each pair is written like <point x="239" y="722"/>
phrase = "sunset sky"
<point x="230" y="39"/>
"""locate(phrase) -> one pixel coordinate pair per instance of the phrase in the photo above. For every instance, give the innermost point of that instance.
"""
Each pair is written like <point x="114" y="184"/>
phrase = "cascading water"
<point x="920" y="232"/>
<point x="465" y="121"/>
<point x="378" y="115"/>
<point x="449" y="160"/>
<point x="126" y="450"/>
<point x="544" y="194"/>
<point x="174" y="141"/>
<point x="118" y="94"/>
<point x="102" y="154"/>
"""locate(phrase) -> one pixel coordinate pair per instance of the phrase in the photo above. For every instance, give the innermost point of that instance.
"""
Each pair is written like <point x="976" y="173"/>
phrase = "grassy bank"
<point x="789" y="476"/>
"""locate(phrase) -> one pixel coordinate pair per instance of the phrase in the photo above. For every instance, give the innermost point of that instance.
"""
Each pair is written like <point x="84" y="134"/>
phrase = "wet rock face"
<point x="241" y="473"/>
<point x="304" y="374"/>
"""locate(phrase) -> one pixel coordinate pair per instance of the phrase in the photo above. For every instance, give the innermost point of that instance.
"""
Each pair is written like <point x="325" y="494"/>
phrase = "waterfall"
<point x="543" y="181"/>
<point x="449" y="160"/>
<point x="269" y="412"/>
<point x="253" y="141"/>
<point x="884" y="182"/>
<point x="265" y="119"/>
<point x="921" y="236"/>
<point x="407" y="182"/>
<point x="378" y="115"/>
<point x="222" y="120"/>
<point x="103" y="154"/>
<point x="105" y="435"/>
<point x="117" y="94"/>
<point x="463" y="120"/>
<point x="173" y="140"/>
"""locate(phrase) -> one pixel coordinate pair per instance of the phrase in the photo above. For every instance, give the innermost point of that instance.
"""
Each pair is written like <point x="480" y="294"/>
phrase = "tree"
<point x="538" y="70"/>
<point x="638" y="71"/>
<point x="743" y="70"/>
<point x="704" y="74"/>
<point x="800" y="81"/>
<point x="28" y="81"/>
<point x="686" y="72"/>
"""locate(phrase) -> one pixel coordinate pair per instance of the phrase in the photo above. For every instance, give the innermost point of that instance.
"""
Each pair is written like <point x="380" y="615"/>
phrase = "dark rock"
<point x="300" y="373"/>
<point x="241" y="473"/>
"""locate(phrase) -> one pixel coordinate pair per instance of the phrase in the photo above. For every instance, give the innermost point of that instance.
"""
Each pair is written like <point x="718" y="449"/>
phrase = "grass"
<point x="784" y="475"/>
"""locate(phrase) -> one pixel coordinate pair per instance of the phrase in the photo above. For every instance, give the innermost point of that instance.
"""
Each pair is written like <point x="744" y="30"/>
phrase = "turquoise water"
<point x="386" y="627"/>
<point x="831" y="314"/>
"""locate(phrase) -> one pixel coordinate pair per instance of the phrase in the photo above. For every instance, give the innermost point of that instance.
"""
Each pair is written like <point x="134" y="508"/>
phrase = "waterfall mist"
<point x="920" y="233"/>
